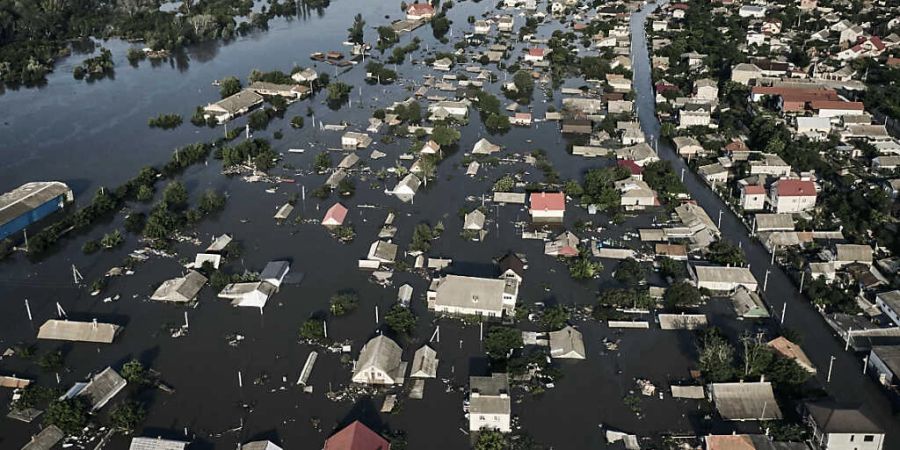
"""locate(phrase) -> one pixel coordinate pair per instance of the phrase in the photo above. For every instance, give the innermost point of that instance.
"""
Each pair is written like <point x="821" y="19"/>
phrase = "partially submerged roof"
<point x="356" y="436"/>
<point x="66" y="330"/>
<point x="28" y="197"/>
<point x="260" y="445"/>
<point x="567" y="343"/>
<point x="383" y="354"/>
<point x="148" y="443"/>
<point x="745" y="401"/>
<point x="790" y="350"/>
<point x="424" y="363"/>
<point x="46" y="439"/>
<point x="101" y="389"/>
<point x="180" y="289"/>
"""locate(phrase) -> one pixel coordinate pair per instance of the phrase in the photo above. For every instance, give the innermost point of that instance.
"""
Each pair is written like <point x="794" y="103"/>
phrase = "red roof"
<point x="795" y="188"/>
<point x="536" y="52"/>
<point x="548" y="201"/>
<point x="836" y="104"/>
<point x="892" y="62"/>
<point x="420" y="8"/>
<point x="737" y="146"/>
<point x="683" y="6"/>
<point x="754" y="189"/>
<point x="631" y="166"/>
<point x="335" y="215"/>
<point x="356" y="436"/>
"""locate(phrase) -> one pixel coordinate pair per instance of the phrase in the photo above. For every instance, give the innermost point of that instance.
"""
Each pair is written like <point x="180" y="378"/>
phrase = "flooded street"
<point x="93" y="135"/>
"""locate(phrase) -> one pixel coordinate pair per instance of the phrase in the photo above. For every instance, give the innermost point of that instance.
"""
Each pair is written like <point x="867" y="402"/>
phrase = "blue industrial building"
<point x="30" y="203"/>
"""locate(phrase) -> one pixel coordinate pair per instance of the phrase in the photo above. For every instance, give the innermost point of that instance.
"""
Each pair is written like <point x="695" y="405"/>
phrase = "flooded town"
<point x="494" y="224"/>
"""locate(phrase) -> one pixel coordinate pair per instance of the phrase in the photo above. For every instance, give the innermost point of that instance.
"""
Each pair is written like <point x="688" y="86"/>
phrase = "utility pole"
<point x="682" y="174"/>
<point x="774" y="249"/>
<point x="830" y="367"/>
<point x="783" y="310"/>
<point x="802" y="279"/>
<point x="28" y="310"/>
<point x="719" y="222"/>
<point x="766" y="281"/>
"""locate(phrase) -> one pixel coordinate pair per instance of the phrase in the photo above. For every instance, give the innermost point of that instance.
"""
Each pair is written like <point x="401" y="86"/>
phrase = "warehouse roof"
<point x="28" y="197"/>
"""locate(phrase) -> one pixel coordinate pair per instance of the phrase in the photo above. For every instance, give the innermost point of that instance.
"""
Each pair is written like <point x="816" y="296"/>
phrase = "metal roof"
<point x="28" y="197"/>
<point x="65" y="330"/>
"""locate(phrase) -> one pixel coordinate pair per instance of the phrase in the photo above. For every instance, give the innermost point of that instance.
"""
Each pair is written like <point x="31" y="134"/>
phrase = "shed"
<point x="284" y="211"/>
<point x="404" y="294"/>
<point x="692" y="392"/>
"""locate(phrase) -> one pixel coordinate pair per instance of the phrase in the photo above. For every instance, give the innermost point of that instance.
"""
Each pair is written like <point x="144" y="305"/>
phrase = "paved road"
<point x="848" y="384"/>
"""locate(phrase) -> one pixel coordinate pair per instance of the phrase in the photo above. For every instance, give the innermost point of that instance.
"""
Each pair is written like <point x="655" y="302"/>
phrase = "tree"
<point x="297" y="122"/>
<point x="111" y="240"/>
<point x="134" y="372"/>
<point x="258" y="120"/>
<point x="681" y="294"/>
<point x="51" y="361"/>
<point x="554" y="318"/>
<point x="175" y="195"/>
<point x="583" y="267"/>
<point x="491" y="440"/>
<point x="322" y="162"/>
<point x="69" y="414"/>
<point x="497" y="123"/>
<point x="630" y="272"/>
<point x="313" y="329"/>
<point x="444" y="135"/>
<point x="524" y="84"/>
<point x="338" y="91"/>
<point x="624" y="298"/>
<point x="501" y="341"/>
<point x="126" y="416"/>
<point x="716" y="357"/>
<point x="343" y="303"/>
<point x="401" y="320"/>
<point x="229" y="86"/>
<point x="669" y="267"/>
<point x="506" y="183"/>
<point x="211" y="201"/>
<point x="725" y="253"/>
<point x="356" y="30"/>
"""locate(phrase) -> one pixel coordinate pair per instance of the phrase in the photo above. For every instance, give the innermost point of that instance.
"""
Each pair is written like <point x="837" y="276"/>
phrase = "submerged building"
<point x="30" y="203"/>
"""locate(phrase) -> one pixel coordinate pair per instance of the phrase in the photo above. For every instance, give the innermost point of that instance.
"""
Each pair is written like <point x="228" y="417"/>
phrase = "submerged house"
<point x="100" y="389"/>
<point x="356" y="436"/>
<point x="380" y="363"/>
<point x="68" y="330"/>
<point x="455" y="294"/>
<point x="406" y="189"/>
<point x="745" y="401"/>
<point x="233" y="106"/>
<point x="250" y="294"/>
<point x="489" y="403"/>
<point x="424" y="364"/>
<point x="335" y="216"/>
<point x="30" y="203"/>
<point x="181" y="289"/>
<point x="567" y="344"/>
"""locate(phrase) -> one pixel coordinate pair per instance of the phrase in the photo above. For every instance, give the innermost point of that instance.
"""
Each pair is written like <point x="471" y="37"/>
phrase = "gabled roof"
<point x="335" y="215"/>
<point x="356" y="436"/>
<point x="795" y="188"/>
<point x="831" y="418"/>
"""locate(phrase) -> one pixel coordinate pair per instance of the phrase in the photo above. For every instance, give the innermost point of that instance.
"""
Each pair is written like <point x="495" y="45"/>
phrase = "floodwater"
<point x="92" y="135"/>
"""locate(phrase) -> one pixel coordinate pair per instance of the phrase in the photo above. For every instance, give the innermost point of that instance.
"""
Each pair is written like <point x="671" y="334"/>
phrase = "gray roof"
<point x="181" y="289"/>
<point x="242" y="100"/>
<point x="29" y="196"/>
<point x="832" y="418"/>
<point x="102" y="388"/>
<point x="148" y="443"/>
<point x="718" y="274"/>
<point x="747" y="303"/>
<point x="890" y="356"/>
<point x="219" y="243"/>
<point x="745" y="401"/>
<point x="774" y="222"/>
<point x="890" y="298"/>
<point x="490" y="405"/>
<point x="383" y="354"/>
<point x="46" y="439"/>
<point x="470" y="292"/>
<point x="496" y="384"/>
<point x="567" y="343"/>
<point x="424" y="364"/>
<point x="65" y="330"/>
<point x="275" y="271"/>
<point x="854" y="252"/>
<point x="474" y="220"/>
<point x="383" y="250"/>
<point x="260" y="445"/>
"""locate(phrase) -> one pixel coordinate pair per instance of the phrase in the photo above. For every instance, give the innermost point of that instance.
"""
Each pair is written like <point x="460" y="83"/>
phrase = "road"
<point x="848" y="384"/>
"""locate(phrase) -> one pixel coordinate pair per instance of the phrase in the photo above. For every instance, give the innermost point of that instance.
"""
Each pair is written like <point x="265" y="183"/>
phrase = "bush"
<point x="501" y="341"/>
<point x="165" y="121"/>
<point x="313" y="330"/>
<point x="70" y="415"/>
<point x="343" y="303"/>
<point x="401" y="320"/>
<point x="297" y="122"/>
